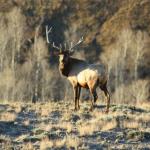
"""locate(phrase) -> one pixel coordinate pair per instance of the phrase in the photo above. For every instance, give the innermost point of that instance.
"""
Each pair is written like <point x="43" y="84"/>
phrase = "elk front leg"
<point x="92" y="91"/>
<point x="79" y="91"/>
<point x="75" y="97"/>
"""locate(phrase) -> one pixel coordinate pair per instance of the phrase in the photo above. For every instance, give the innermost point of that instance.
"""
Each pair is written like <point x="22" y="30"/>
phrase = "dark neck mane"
<point x="64" y="71"/>
<point x="67" y="68"/>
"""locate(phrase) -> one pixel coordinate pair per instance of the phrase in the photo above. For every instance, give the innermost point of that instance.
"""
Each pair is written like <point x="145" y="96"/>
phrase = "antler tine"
<point x="73" y="46"/>
<point x="47" y="33"/>
<point x="65" y="46"/>
<point x="60" y="49"/>
<point x="55" y="46"/>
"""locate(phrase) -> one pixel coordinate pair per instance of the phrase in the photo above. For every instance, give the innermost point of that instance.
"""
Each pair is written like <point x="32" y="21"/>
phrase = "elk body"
<point x="82" y="75"/>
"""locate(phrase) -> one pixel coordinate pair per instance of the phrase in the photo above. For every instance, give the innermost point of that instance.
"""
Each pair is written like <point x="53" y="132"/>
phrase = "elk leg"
<point x="108" y="100"/>
<point x="75" y="97"/>
<point x="95" y="96"/>
<point x="79" y="91"/>
<point x="104" y="88"/>
<point x="92" y="102"/>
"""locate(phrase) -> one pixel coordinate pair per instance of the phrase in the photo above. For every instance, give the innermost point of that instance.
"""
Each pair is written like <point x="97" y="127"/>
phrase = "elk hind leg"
<point x="104" y="88"/>
<point x="95" y="96"/>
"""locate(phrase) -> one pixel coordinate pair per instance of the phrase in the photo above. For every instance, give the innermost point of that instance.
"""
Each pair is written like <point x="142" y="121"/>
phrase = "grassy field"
<point x="55" y="125"/>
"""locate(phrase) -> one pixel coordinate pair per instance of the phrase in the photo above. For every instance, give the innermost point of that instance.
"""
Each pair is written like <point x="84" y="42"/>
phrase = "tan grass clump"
<point x="26" y="122"/>
<point x="69" y="142"/>
<point x="60" y="143"/>
<point x="87" y="129"/>
<point x="28" y="146"/>
<point x="144" y="105"/>
<point x="66" y="125"/>
<point x="72" y="143"/>
<point x="109" y="125"/>
<point x="131" y="125"/>
<point x="45" y="112"/>
<point x="46" y="143"/>
<point x="7" y="116"/>
<point x="143" y="117"/>
<point x="66" y="116"/>
<point x="43" y="109"/>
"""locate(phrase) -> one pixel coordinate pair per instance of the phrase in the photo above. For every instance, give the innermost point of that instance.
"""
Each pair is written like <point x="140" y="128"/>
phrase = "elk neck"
<point x="65" y="70"/>
<point x="72" y="63"/>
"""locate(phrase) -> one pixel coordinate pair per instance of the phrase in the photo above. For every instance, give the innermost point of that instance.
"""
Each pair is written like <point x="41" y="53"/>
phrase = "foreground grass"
<point x="57" y="126"/>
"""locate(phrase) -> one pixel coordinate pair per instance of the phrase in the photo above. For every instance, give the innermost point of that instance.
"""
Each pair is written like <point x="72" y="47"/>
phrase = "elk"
<point x="82" y="74"/>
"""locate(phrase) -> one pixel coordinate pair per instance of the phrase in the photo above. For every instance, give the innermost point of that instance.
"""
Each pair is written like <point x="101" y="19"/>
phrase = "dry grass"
<point x="143" y="117"/>
<point x="17" y="107"/>
<point x="43" y="109"/>
<point x="46" y="143"/>
<point x="46" y="127"/>
<point x="109" y="125"/>
<point x="28" y="146"/>
<point x="87" y="128"/>
<point x="66" y="125"/>
<point x="131" y="125"/>
<point x="66" y="116"/>
<point x="44" y="112"/>
<point x="63" y="125"/>
<point x="72" y="142"/>
<point x="70" y="130"/>
<point x="7" y="116"/>
<point x="144" y="105"/>
<point x="26" y="122"/>
<point x="59" y="143"/>
<point x="68" y="142"/>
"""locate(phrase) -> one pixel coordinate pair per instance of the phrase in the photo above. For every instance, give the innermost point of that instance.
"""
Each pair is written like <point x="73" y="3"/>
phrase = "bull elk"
<point x="82" y="74"/>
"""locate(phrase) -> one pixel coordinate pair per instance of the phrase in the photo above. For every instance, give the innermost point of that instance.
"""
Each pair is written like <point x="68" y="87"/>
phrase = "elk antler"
<point x="78" y="43"/>
<point x="47" y="32"/>
<point x="55" y="46"/>
<point x="64" y="46"/>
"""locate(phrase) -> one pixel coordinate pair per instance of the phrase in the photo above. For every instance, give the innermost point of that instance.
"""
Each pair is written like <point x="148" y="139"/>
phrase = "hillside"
<point x="52" y="126"/>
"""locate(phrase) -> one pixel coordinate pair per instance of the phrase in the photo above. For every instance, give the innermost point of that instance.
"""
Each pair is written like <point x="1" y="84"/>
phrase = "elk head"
<point x="64" y="51"/>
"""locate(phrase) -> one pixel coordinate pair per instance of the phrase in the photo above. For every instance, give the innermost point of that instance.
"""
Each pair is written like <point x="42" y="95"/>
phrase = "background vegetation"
<point x="116" y="32"/>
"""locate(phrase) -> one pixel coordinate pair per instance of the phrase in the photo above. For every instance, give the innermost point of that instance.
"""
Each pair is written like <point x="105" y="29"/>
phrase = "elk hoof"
<point x="78" y="107"/>
<point x="106" y="111"/>
<point x="95" y="100"/>
<point x="75" y="109"/>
